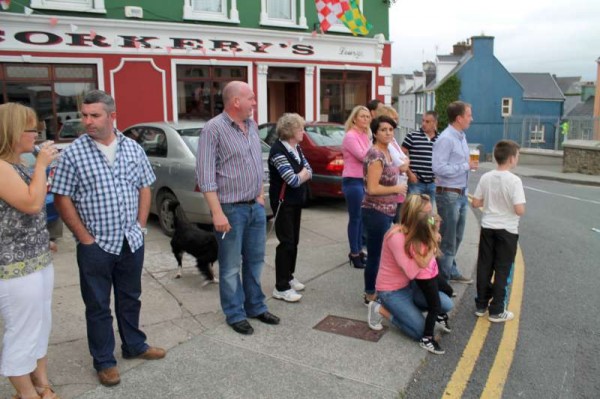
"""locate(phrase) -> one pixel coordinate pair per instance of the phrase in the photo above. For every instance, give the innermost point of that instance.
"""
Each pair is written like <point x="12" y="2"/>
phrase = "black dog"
<point x="191" y="239"/>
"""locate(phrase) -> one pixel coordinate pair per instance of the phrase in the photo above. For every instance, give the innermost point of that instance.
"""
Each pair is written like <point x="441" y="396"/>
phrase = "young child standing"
<point x="501" y="195"/>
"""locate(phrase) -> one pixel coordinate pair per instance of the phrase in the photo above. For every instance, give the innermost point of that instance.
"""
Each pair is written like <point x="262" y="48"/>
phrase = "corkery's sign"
<point x="222" y="42"/>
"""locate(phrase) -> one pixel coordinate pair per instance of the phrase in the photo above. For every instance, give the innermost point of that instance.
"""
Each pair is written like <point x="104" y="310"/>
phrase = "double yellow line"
<point x="504" y="356"/>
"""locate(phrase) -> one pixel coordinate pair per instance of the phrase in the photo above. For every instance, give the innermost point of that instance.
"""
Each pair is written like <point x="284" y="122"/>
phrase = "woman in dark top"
<point x="26" y="271"/>
<point x="289" y="172"/>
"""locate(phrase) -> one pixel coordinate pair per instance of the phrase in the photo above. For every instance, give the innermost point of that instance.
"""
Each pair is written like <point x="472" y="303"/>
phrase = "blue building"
<point x="525" y="107"/>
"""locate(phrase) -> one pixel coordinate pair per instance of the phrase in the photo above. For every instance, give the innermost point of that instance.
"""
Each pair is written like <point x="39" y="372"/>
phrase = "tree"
<point x="448" y="92"/>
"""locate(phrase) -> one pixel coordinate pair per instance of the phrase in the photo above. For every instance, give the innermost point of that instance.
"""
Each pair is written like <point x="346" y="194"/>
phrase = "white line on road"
<point x="563" y="195"/>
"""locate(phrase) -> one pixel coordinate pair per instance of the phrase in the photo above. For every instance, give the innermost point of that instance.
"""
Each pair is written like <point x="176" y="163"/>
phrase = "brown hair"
<point x="505" y="149"/>
<point x="14" y="120"/>
<point x="456" y="109"/>
<point x="387" y="110"/>
<point x="417" y="226"/>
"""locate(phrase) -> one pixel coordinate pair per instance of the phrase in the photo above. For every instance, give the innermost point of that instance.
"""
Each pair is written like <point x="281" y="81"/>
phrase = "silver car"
<point x="171" y="148"/>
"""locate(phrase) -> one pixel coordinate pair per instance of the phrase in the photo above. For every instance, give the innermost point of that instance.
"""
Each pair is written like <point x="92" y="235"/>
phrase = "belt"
<point x="249" y="202"/>
<point x="440" y="190"/>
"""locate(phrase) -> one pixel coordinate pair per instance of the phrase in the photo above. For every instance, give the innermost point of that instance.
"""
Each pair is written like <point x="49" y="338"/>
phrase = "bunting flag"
<point x="5" y="4"/>
<point x="329" y="12"/>
<point x="347" y="11"/>
<point x="355" y="20"/>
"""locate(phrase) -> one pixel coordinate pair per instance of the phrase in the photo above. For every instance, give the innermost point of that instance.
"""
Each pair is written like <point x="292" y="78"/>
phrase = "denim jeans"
<point x="354" y="192"/>
<point x="452" y="208"/>
<point x="423" y="188"/>
<point x="376" y="225"/>
<point x="406" y="306"/>
<point x="99" y="271"/>
<point x="241" y="260"/>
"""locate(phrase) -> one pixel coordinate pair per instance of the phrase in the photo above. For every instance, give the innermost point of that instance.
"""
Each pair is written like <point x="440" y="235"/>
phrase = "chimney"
<point x="483" y="46"/>
<point x="461" y="48"/>
<point x="429" y="69"/>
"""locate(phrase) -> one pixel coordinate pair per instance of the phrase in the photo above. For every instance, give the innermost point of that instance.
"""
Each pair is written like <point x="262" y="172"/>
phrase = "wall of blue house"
<point x="484" y="82"/>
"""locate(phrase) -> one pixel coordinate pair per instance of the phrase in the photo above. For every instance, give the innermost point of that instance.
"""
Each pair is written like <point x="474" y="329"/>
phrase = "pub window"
<point x="200" y="88"/>
<point x="283" y="13"/>
<point x="211" y="10"/>
<point x="54" y="91"/>
<point x="341" y="91"/>
<point x="96" y="6"/>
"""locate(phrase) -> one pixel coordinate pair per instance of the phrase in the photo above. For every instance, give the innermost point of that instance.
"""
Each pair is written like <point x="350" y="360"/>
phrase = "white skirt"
<point x="26" y="307"/>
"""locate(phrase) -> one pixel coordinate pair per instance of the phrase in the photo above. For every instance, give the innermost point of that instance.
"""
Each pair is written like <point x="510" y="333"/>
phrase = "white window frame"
<point x="234" y="17"/>
<point x="536" y="134"/>
<point x="95" y="6"/>
<point x="296" y="22"/>
<point x="506" y="109"/>
<point x="340" y="27"/>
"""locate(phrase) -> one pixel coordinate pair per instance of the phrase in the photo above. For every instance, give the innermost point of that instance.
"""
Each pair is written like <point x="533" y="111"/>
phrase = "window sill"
<point x="70" y="8"/>
<point x="283" y="24"/>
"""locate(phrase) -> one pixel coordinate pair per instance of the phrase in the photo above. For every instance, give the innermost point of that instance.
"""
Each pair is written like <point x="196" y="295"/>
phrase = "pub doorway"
<point x="285" y="92"/>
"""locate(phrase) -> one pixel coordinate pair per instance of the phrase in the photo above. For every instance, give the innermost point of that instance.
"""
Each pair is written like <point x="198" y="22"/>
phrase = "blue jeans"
<point x="241" y="261"/>
<point x="99" y="271"/>
<point x="406" y="306"/>
<point x="452" y="208"/>
<point x="423" y="188"/>
<point x="354" y="192"/>
<point x="376" y="225"/>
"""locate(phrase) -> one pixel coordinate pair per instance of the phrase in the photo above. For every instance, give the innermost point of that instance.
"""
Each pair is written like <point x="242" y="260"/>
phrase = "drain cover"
<point x="349" y="328"/>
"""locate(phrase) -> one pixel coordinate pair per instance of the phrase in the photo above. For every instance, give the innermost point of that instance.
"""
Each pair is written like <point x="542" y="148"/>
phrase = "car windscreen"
<point x="190" y="137"/>
<point x="326" y="135"/>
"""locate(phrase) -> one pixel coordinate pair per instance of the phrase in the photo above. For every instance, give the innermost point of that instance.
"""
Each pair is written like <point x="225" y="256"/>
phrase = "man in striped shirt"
<point x="418" y="145"/>
<point x="229" y="172"/>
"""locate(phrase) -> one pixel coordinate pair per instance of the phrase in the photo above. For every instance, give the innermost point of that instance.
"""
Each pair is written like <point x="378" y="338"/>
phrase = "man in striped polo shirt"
<point x="418" y="145"/>
<point x="229" y="172"/>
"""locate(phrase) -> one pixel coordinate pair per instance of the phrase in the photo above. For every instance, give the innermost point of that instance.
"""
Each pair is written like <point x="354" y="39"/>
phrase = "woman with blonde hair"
<point x="408" y="253"/>
<point x="355" y="145"/>
<point x="26" y="271"/>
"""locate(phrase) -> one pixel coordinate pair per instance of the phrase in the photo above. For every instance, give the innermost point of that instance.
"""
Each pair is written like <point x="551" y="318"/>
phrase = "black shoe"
<point x="242" y="327"/>
<point x="268" y="318"/>
<point x="356" y="261"/>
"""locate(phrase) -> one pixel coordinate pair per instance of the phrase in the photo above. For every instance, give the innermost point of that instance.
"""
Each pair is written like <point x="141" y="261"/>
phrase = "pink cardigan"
<point x="354" y="148"/>
<point x="396" y="269"/>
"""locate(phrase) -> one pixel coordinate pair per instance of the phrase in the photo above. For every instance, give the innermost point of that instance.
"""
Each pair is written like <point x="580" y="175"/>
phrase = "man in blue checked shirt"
<point x="451" y="165"/>
<point x="229" y="172"/>
<point x="102" y="192"/>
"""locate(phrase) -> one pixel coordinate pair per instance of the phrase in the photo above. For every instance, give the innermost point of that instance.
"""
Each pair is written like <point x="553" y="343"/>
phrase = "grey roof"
<point x="583" y="109"/>
<point x="449" y="57"/>
<point x="539" y="86"/>
<point x="570" y="103"/>
<point x="567" y="84"/>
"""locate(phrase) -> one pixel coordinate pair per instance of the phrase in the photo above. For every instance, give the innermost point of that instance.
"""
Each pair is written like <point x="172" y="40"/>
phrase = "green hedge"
<point x="448" y="92"/>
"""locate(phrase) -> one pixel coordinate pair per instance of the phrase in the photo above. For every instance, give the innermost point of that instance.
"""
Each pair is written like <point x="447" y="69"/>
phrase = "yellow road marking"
<point x="504" y="357"/>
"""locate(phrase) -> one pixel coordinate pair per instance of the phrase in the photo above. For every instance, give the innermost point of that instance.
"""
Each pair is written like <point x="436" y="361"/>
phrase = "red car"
<point x="322" y="147"/>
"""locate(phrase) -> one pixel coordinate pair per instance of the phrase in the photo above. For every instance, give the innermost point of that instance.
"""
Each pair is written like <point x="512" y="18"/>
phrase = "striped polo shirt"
<point x="420" y="151"/>
<point x="229" y="161"/>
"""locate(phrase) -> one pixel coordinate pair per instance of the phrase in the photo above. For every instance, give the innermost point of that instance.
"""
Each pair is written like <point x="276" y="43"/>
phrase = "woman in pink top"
<point x="401" y="301"/>
<point x="355" y="145"/>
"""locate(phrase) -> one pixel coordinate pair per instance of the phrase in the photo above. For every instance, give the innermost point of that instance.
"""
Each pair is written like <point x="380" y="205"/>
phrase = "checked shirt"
<point x="105" y="197"/>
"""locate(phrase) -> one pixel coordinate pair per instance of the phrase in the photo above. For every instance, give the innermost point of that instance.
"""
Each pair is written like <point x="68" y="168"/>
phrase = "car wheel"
<point x="166" y="218"/>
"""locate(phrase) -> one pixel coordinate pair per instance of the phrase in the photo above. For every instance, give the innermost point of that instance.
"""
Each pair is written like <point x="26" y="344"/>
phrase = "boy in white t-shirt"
<point x="501" y="194"/>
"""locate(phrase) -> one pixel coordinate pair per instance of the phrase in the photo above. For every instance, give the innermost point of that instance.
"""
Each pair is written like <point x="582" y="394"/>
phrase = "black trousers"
<point x="287" y="229"/>
<point x="432" y="296"/>
<point x="497" y="251"/>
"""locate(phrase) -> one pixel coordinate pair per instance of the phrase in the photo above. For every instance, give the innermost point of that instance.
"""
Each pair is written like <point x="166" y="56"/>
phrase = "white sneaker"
<point x="289" y="296"/>
<point x="373" y="316"/>
<point x="502" y="317"/>
<point x="296" y="285"/>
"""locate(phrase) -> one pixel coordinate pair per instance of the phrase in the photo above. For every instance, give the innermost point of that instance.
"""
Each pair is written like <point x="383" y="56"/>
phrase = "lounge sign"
<point x="210" y="42"/>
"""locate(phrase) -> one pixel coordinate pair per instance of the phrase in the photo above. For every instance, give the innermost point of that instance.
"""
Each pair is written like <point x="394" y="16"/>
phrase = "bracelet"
<point x="144" y="230"/>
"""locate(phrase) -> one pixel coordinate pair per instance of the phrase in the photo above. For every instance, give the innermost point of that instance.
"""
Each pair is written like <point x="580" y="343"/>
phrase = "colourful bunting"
<point x="355" y="20"/>
<point x="5" y="4"/>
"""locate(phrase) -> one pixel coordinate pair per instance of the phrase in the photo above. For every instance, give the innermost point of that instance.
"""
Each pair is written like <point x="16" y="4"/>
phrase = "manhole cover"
<point x="349" y="328"/>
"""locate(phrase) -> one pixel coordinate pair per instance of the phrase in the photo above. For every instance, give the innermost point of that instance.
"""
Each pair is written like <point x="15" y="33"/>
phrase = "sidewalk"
<point x="207" y="359"/>
<point x="549" y="172"/>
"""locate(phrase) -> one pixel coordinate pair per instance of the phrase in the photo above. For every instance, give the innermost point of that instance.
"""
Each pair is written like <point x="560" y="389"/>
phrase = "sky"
<point x="561" y="37"/>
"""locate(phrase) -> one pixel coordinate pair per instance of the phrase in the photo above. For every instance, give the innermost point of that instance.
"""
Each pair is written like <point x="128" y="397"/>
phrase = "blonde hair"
<point x="350" y="121"/>
<point x="14" y="120"/>
<point x="287" y="124"/>
<point x="417" y="226"/>
<point x="387" y="110"/>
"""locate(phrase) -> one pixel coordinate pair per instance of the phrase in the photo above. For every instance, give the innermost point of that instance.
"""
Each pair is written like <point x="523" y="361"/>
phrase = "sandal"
<point x="46" y="392"/>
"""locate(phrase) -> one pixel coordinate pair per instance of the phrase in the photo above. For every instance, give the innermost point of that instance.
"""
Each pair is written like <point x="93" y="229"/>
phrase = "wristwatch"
<point x="144" y="230"/>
